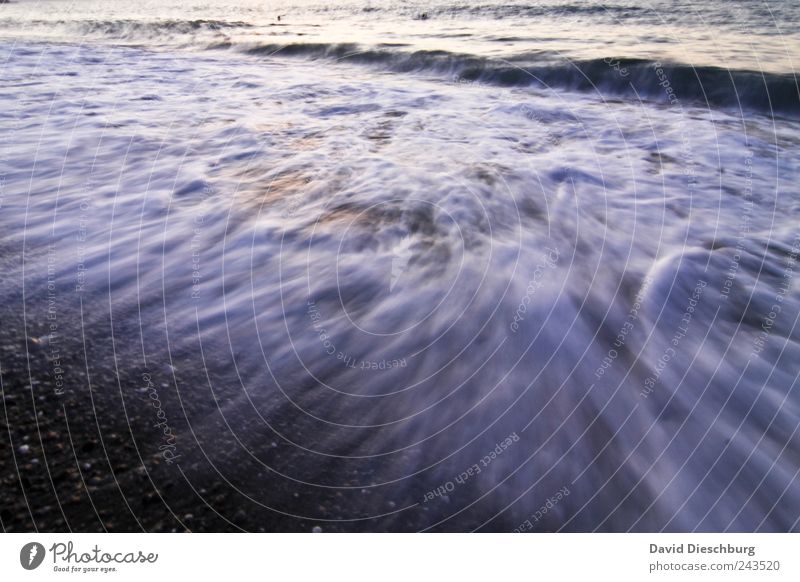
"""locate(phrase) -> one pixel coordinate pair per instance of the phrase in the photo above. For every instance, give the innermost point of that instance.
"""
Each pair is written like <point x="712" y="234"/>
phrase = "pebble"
<point x="316" y="529"/>
<point x="24" y="449"/>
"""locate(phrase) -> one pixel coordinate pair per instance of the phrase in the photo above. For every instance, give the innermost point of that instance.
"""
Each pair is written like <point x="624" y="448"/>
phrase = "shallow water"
<point x="376" y="268"/>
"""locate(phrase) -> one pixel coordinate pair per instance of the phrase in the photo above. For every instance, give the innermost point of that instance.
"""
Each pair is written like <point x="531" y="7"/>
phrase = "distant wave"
<point x="511" y="10"/>
<point x="622" y="78"/>
<point x="676" y="83"/>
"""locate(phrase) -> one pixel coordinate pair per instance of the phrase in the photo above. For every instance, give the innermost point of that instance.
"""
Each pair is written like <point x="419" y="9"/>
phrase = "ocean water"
<point x="501" y="265"/>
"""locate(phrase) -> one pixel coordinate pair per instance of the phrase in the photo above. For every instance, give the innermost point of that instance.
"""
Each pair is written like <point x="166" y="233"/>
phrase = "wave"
<point x="500" y="11"/>
<point x="674" y="83"/>
<point x="552" y="278"/>
<point x="496" y="11"/>
<point x="127" y="28"/>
